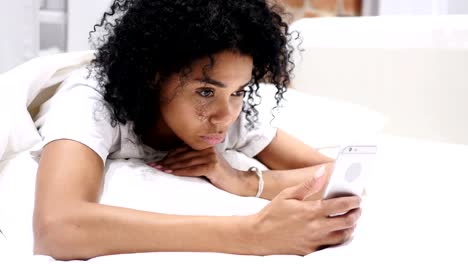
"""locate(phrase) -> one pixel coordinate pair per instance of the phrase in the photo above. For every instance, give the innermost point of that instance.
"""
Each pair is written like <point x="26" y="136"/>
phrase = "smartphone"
<point x="353" y="166"/>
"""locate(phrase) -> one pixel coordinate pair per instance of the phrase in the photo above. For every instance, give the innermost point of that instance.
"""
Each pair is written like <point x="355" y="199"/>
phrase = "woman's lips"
<point x="213" y="140"/>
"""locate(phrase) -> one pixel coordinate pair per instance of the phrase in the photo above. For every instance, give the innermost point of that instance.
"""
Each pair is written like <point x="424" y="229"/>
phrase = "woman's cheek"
<point x="201" y="110"/>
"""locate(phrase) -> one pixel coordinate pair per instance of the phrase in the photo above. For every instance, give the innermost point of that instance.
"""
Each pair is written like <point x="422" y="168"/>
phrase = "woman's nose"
<point x="222" y="114"/>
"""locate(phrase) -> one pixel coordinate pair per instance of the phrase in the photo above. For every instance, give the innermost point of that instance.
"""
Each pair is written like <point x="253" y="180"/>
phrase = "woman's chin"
<point x="200" y="145"/>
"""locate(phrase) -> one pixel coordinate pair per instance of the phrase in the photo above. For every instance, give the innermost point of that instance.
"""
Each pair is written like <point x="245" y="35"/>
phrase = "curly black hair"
<point x="140" y="43"/>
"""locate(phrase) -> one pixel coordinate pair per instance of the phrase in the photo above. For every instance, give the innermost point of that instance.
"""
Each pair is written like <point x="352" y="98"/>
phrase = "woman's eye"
<point x="206" y="92"/>
<point x="240" y="93"/>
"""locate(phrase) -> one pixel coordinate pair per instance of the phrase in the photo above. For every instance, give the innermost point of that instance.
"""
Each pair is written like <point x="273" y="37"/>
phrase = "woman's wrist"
<point x="276" y="180"/>
<point x="249" y="236"/>
<point x="248" y="183"/>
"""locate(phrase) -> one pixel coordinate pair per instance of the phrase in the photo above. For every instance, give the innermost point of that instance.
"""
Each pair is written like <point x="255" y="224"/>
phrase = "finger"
<point x="195" y="171"/>
<point x="346" y="221"/>
<point x="189" y="162"/>
<point x="340" y="205"/>
<point x="327" y="170"/>
<point x="177" y="151"/>
<point x="181" y="156"/>
<point x="307" y="188"/>
<point x="188" y="153"/>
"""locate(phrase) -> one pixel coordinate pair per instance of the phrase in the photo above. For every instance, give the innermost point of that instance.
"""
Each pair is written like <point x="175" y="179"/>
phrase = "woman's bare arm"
<point x="70" y="224"/>
<point x="286" y="152"/>
<point x="291" y="162"/>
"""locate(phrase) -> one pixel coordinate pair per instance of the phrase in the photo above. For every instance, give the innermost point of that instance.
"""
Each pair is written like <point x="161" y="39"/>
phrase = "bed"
<point x="413" y="210"/>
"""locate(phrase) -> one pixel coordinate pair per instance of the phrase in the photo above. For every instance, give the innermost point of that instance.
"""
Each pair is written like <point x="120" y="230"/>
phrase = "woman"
<point x="167" y="86"/>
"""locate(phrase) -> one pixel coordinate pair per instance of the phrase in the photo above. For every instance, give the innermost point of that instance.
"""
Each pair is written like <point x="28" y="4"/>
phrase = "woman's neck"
<point x="161" y="137"/>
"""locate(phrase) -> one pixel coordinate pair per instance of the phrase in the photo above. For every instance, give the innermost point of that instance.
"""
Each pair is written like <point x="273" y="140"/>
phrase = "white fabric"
<point x="324" y="122"/>
<point x="413" y="210"/>
<point x="3" y="134"/>
<point x="77" y="112"/>
<point x="18" y="89"/>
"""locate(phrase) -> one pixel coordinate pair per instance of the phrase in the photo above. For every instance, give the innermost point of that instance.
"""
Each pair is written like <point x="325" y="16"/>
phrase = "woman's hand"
<point x="292" y="224"/>
<point x="185" y="161"/>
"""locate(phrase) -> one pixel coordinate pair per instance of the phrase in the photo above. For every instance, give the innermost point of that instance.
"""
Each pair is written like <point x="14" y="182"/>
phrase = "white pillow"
<point x="4" y="127"/>
<point x="322" y="122"/>
<point x="3" y="141"/>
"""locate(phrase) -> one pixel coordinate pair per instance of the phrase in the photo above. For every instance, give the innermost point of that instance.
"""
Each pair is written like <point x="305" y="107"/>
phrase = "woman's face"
<point x="201" y="110"/>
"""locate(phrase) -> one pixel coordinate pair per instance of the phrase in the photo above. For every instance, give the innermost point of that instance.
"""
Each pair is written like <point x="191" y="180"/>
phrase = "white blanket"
<point x="23" y="89"/>
<point x="414" y="210"/>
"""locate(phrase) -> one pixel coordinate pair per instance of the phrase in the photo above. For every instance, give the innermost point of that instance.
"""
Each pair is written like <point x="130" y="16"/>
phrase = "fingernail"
<point x="168" y="171"/>
<point x="320" y="172"/>
<point x="158" y="166"/>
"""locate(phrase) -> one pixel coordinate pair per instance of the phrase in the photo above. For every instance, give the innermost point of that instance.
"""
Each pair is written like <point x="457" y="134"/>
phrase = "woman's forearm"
<point x="277" y="180"/>
<point x="90" y="230"/>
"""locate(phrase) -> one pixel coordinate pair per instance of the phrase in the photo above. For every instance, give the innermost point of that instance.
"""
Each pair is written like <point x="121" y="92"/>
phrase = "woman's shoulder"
<point x="78" y="95"/>
<point x="81" y="79"/>
<point x="78" y="111"/>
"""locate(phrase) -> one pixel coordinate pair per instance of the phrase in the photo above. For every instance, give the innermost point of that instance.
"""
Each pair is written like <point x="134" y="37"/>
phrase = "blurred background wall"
<point x="29" y="28"/>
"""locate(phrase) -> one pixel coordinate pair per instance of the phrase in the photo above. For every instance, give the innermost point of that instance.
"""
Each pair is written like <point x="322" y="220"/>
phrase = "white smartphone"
<point x="353" y="166"/>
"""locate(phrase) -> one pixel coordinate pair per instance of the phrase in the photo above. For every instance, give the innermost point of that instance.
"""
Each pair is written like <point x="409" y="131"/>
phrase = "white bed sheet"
<point x="414" y="210"/>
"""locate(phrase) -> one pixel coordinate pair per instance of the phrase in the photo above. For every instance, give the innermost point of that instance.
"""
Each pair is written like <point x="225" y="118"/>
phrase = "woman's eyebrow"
<point x="211" y="81"/>
<point x="217" y="83"/>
